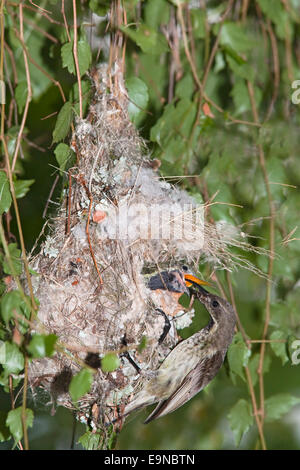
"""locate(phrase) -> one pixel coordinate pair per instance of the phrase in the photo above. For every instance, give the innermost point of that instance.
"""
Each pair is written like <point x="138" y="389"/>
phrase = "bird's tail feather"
<point x="156" y="412"/>
<point x="141" y="401"/>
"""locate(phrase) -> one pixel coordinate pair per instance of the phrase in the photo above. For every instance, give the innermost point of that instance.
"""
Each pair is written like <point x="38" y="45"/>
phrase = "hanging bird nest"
<point x="118" y="223"/>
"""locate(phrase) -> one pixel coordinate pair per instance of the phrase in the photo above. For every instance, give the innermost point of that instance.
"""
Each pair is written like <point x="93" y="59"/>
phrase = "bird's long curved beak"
<point x="191" y="280"/>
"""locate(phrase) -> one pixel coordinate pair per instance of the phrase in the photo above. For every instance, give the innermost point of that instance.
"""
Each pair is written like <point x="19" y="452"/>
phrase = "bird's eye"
<point x="215" y="303"/>
<point x="184" y="268"/>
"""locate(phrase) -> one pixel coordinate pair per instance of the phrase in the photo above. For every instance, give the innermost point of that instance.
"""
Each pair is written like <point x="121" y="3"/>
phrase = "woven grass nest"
<point x="94" y="264"/>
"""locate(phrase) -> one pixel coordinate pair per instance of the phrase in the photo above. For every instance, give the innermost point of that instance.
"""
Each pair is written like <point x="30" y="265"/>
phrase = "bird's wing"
<point x="195" y="381"/>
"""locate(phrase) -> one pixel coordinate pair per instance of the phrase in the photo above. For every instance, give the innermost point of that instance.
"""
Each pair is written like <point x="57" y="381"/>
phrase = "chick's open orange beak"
<point x="191" y="280"/>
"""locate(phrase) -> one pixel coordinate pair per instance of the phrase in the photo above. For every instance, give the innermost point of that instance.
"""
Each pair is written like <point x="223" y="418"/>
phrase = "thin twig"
<point x="245" y="10"/>
<point x="24" y="404"/>
<point x="75" y="53"/>
<point x="42" y="31"/>
<point x="208" y="200"/>
<point x="13" y="103"/>
<point x="266" y="341"/>
<point x="241" y="328"/>
<point x="248" y="375"/>
<point x="196" y="78"/>
<point x="271" y="257"/>
<point x="12" y="61"/>
<point x="288" y="53"/>
<point x="65" y="20"/>
<point x="276" y="68"/>
<point x="55" y="82"/>
<point x="69" y="204"/>
<point x="216" y="44"/>
<point x="255" y="410"/>
<point x="89" y="194"/>
<point x="50" y="196"/>
<point x="28" y="97"/>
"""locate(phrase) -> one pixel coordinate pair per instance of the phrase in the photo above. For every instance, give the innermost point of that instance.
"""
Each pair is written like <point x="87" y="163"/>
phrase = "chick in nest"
<point x="169" y="286"/>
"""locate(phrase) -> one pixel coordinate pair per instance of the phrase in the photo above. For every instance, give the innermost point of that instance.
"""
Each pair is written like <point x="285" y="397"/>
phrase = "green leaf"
<point x="278" y="347"/>
<point x="33" y="272"/>
<point x="254" y="364"/>
<point x="173" y="128"/>
<point x="11" y="301"/>
<point x="22" y="187"/>
<point x="235" y="36"/>
<point x="219" y="62"/>
<point x="11" y="358"/>
<point x="241" y="70"/>
<point x="278" y="405"/>
<point x="152" y="72"/>
<point x="4" y="431"/>
<point x="111" y="439"/>
<point x="110" y="362"/>
<point x="80" y="384"/>
<point x="5" y="196"/>
<point x="240" y="419"/>
<point x="42" y="345"/>
<point x="14" y="422"/>
<point x="62" y="153"/>
<point x="21" y="92"/>
<point x="138" y="97"/>
<point x="74" y="96"/>
<point x="234" y="55"/>
<point x="279" y="318"/>
<point x="185" y="87"/>
<point x="238" y="356"/>
<point x="148" y="39"/>
<point x="143" y="344"/>
<point x="100" y="8"/>
<point x="90" y="440"/>
<point x="67" y="57"/>
<point x="15" y="259"/>
<point x="2" y="350"/>
<point x="198" y="21"/>
<point x="157" y="12"/>
<point x="84" y="56"/>
<point x="13" y="39"/>
<point x="63" y="122"/>
<point x="276" y="13"/>
<point x="35" y="45"/>
<point x="241" y="98"/>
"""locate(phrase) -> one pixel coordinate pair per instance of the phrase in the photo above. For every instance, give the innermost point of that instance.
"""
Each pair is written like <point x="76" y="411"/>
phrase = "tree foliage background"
<point x="213" y="91"/>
